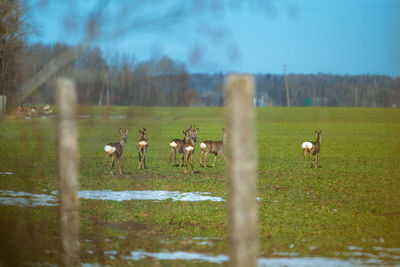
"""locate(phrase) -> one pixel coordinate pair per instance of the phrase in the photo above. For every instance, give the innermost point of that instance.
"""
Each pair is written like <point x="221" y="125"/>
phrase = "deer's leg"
<point x="119" y="167"/>
<point x="316" y="161"/>
<point x="144" y="159"/>
<point x="215" y="159"/>
<point x="309" y="156"/>
<point x="112" y="164"/>
<point x="105" y="166"/>
<point x="223" y="156"/>
<point x="182" y="162"/>
<point x="140" y="159"/>
<point x="191" y="161"/>
<point x="201" y="152"/>
<point x="185" y="163"/>
<point x="304" y="157"/>
<point x="170" y="156"/>
<point x="205" y="158"/>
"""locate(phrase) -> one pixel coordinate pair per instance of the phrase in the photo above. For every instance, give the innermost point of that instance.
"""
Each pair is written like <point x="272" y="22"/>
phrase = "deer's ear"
<point x="120" y="130"/>
<point x="197" y="130"/>
<point x="183" y="132"/>
<point x="127" y="130"/>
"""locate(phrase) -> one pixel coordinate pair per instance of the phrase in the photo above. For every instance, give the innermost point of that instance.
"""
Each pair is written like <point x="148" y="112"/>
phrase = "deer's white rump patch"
<point x="173" y="144"/>
<point x="203" y="146"/>
<point x="189" y="148"/>
<point x="109" y="149"/>
<point x="307" y="145"/>
<point x="142" y="143"/>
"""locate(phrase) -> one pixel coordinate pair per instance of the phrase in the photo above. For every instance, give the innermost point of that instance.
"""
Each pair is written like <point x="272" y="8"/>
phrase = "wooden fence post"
<point x="242" y="203"/>
<point x="3" y="101"/>
<point x="68" y="184"/>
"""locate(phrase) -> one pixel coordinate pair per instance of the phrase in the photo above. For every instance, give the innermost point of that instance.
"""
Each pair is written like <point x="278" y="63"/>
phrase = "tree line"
<point x="117" y="81"/>
<point x="121" y="80"/>
<point x="308" y="90"/>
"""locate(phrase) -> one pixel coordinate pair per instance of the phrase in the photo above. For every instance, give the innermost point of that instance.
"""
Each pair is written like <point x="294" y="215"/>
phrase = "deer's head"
<point x="193" y="132"/>
<point x="188" y="135"/>
<point x="123" y="134"/>
<point x="224" y="135"/>
<point x="319" y="135"/>
<point x="143" y="133"/>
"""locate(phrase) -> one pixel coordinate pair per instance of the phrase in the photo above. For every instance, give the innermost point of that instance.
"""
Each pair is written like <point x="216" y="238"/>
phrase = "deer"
<point x="189" y="145"/>
<point x="141" y="146"/>
<point x="176" y="146"/>
<point x="213" y="147"/>
<point x="114" y="150"/>
<point x="312" y="148"/>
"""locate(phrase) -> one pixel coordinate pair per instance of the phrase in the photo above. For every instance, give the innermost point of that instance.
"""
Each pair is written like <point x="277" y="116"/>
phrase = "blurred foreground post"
<point x="68" y="157"/>
<point x="242" y="205"/>
<point x="3" y="101"/>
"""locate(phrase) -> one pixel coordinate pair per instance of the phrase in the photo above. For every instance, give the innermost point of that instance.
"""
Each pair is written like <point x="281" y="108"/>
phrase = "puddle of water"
<point x="394" y="250"/>
<point x="286" y="254"/>
<point x="118" y="117"/>
<point x="220" y="259"/>
<point x="23" y="199"/>
<point x="83" y="116"/>
<point x="102" y="117"/>
<point x="79" y="117"/>
<point x="179" y="255"/>
<point x="147" y="195"/>
<point x="5" y="173"/>
<point x="355" y="256"/>
<point x="305" y="262"/>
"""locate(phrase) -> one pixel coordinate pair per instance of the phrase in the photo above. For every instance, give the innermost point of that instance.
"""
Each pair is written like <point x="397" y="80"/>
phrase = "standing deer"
<point x="176" y="146"/>
<point x="214" y="147"/>
<point x="141" y="146"/>
<point x="188" y="147"/>
<point x="114" y="150"/>
<point x="312" y="148"/>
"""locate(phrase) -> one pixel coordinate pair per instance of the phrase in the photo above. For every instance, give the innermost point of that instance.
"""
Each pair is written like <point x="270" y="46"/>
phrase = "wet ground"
<point x="351" y="256"/>
<point x="24" y="199"/>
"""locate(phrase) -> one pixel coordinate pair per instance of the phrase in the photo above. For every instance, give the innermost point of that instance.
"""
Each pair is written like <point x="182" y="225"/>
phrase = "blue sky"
<point x="346" y="37"/>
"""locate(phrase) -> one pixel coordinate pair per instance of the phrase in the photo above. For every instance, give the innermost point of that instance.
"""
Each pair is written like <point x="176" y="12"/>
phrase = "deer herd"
<point x="185" y="148"/>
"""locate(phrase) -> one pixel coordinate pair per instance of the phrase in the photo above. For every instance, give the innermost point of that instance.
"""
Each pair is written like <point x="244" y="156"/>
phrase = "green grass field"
<point x="350" y="204"/>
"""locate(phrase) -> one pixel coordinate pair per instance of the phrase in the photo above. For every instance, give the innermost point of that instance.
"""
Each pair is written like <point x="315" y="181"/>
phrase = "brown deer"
<point x="141" y="146"/>
<point x="176" y="146"/>
<point x="312" y="148"/>
<point x="213" y="147"/>
<point x="114" y="150"/>
<point x="189" y="145"/>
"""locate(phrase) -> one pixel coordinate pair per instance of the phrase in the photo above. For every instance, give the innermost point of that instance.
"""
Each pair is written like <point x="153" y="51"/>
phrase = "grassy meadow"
<point x="350" y="203"/>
